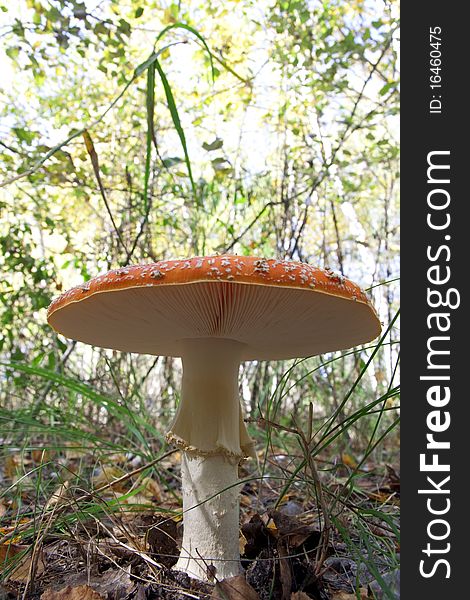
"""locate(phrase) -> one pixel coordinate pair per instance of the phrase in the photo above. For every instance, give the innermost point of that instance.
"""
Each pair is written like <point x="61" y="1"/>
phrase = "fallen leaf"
<point x="234" y="588"/>
<point x="116" y="459"/>
<point x="59" y="496"/>
<point x="285" y="573"/>
<point x="272" y="528"/>
<point x="299" y="596"/>
<point x="141" y="591"/>
<point x="22" y="564"/>
<point x="135" y="503"/>
<point x="113" y="584"/>
<point x="23" y="572"/>
<point x="245" y="500"/>
<point x="348" y="460"/>
<point x="363" y="595"/>
<point x="40" y="455"/>
<point x="151" y="489"/>
<point x="4" y="531"/>
<point x="82" y="592"/>
<point x="242" y="542"/>
<point x="257" y="536"/>
<point x="293" y="530"/>
<point x="106" y="475"/>
<point x="8" y="551"/>
<point x="11" y="465"/>
<point x="161" y="540"/>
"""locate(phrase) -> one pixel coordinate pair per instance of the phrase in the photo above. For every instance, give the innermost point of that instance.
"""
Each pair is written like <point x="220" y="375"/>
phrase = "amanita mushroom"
<point x="215" y="312"/>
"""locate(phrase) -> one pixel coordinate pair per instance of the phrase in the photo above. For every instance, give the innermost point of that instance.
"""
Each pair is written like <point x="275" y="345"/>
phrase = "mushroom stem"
<point x="209" y="419"/>
<point x="210" y="430"/>
<point x="210" y="545"/>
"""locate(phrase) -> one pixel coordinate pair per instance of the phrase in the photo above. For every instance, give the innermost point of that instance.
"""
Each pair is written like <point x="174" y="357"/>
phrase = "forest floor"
<point x="116" y="536"/>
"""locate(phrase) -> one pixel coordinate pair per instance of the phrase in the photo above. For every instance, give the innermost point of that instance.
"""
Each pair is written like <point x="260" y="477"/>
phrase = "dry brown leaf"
<point x="345" y="596"/>
<point x="242" y="542"/>
<point x="8" y="551"/>
<point x="161" y="541"/>
<point x="234" y="588"/>
<point x="21" y="572"/>
<point x="151" y="489"/>
<point x="113" y="583"/>
<point x="10" y="466"/>
<point x="272" y="528"/>
<point x="59" y="496"/>
<point x="41" y="455"/>
<point x="285" y="573"/>
<point x="82" y="592"/>
<point x="292" y="529"/>
<point x="245" y="500"/>
<point x="299" y="596"/>
<point x="3" y="508"/>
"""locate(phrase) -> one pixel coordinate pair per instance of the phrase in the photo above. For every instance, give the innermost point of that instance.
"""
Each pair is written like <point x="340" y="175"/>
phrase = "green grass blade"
<point x="196" y="34"/>
<point x="177" y="123"/>
<point x="150" y="128"/>
<point x="342" y="404"/>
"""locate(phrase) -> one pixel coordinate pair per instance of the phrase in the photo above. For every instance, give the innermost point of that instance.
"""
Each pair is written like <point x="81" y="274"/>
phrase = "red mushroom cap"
<point x="277" y="309"/>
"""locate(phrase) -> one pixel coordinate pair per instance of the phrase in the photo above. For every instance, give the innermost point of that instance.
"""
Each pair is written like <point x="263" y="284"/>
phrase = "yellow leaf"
<point x="106" y="475"/>
<point x="272" y="527"/>
<point x="284" y="499"/>
<point x="10" y="465"/>
<point x="348" y="460"/>
<point x="168" y="16"/>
